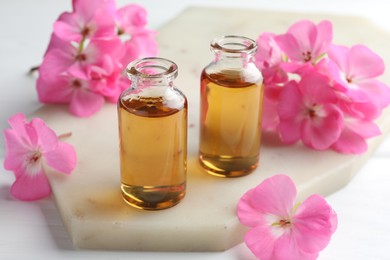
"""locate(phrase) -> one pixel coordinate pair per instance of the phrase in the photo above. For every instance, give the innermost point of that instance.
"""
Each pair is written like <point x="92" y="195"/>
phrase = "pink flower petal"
<point x="352" y="138"/>
<point x="289" y="131"/>
<point x="47" y="137"/>
<point x="247" y="215"/>
<point x="62" y="159"/>
<point x="269" y="53"/>
<point x="338" y="54"/>
<point x="30" y="187"/>
<point x="364" y="63"/>
<point x="290" y="108"/>
<point x="87" y="9"/>
<point x="104" y="21"/>
<point x="290" y="101"/>
<point x="32" y="135"/>
<point x="106" y="47"/>
<point x="56" y="61"/>
<point x="313" y="224"/>
<point x="377" y="91"/>
<point x="139" y="46"/>
<point x="332" y="72"/>
<point x="290" y="46"/>
<point x="15" y="150"/>
<point x="54" y="90"/>
<point x="286" y="248"/>
<point x="275" y="195"/>
<point x="270" y="118"/>
<point x="260" y="241"/>
<point x="363" y="110"/>
<point x="323" y="38"/>
<point x="131" y="16"/>
<point x="17" y="123"/>
<point x="67" y="28"/>
<point x="350" y="143"/>
<point x="85" y="103"/>
<point x="316" y="89"/>
<point x="364" y="128"/>
<point x="320" y="133"/>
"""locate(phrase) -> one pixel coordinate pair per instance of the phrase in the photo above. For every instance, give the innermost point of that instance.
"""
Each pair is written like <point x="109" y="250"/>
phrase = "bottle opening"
<point x="152" y="67"/>
<point x="234" y="44"/>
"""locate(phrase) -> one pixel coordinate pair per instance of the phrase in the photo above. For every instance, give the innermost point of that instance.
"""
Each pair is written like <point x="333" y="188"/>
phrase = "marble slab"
<point x="89" y="200"/>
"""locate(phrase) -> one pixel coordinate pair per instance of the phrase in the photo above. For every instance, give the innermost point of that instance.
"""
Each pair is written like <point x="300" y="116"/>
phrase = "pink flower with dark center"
<point x="359" y="66"/>
<point x="64" y="55"/>
<point x="306" y="42"/>
<point x="359" y="108"/>
<point x="308" y="111"/>
<point x="88" y="52"/>
<point x="33" y="149"/>
<point x="72" y="89"/>
<point x="282" y="229"/>
<point x="89" y="19"/>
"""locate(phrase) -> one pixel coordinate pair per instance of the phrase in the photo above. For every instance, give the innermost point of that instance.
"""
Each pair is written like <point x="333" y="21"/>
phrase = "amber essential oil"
<point x="230" y="128"/>
<point x="153" y="148"/>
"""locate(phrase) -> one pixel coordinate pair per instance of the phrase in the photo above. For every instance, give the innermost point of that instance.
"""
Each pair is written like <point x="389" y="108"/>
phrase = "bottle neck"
<point x="151" y="72"/>
<point x="233" y="60"/>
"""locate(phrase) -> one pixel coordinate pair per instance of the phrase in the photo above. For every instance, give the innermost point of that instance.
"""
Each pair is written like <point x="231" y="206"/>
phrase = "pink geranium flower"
<point x="359" y="66"/>
<point x="305" y="42"/>
<point x="66" y="55"/>
<point x="73" y="89"/>
<point x="308" y="111"/>
<point x="324" y="95"/>
<point x="281" y="228"/>
<point x="88" y="51"/>
<point x="31" y="150"/>
<point x="89" y="19"/>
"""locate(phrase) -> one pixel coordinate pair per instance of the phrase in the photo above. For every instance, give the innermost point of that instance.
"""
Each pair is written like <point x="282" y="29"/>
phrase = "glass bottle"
<point x="231" y="108"/>
<point x="153" y="136"/>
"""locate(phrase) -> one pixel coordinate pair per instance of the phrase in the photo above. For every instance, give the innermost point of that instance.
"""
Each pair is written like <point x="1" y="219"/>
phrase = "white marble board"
<point x="89" y="200"/>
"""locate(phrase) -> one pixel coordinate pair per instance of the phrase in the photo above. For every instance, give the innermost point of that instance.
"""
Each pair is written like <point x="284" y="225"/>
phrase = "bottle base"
<point x="153" y="197"/>
<point x="228" y="166"/>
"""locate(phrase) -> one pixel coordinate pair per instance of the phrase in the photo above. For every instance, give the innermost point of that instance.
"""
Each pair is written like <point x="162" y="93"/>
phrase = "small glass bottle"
<point x="153" y="136"/>
<point x="231" y="109"/>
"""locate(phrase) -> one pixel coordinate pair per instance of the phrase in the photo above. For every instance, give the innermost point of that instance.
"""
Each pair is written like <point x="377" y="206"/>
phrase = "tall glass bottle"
<point x="153" y="136"/>
<point x="231" y="109"/>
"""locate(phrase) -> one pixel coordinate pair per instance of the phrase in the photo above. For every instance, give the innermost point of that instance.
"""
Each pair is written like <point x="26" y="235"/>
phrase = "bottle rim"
<point x="233" y="44"/>
<point x="152" y="67"/>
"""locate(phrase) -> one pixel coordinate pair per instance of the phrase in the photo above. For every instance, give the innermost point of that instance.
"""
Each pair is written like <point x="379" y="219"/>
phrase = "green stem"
<point x="81" y="46"/>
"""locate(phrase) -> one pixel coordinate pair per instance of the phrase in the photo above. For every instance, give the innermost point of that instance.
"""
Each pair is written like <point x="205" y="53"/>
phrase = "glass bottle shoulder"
<point x="232" y="76"/>
<point x="153" y="101"/>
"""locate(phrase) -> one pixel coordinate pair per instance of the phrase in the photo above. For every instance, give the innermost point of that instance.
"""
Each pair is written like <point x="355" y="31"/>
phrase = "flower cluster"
<point x="31" y="150"/>
<point x="323" y="94"/>
<point x="88" y="51"/>
<point x="281" y="229"/>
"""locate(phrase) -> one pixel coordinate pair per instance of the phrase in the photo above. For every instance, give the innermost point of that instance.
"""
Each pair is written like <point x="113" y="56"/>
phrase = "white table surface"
<point x="34" y="230"/>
